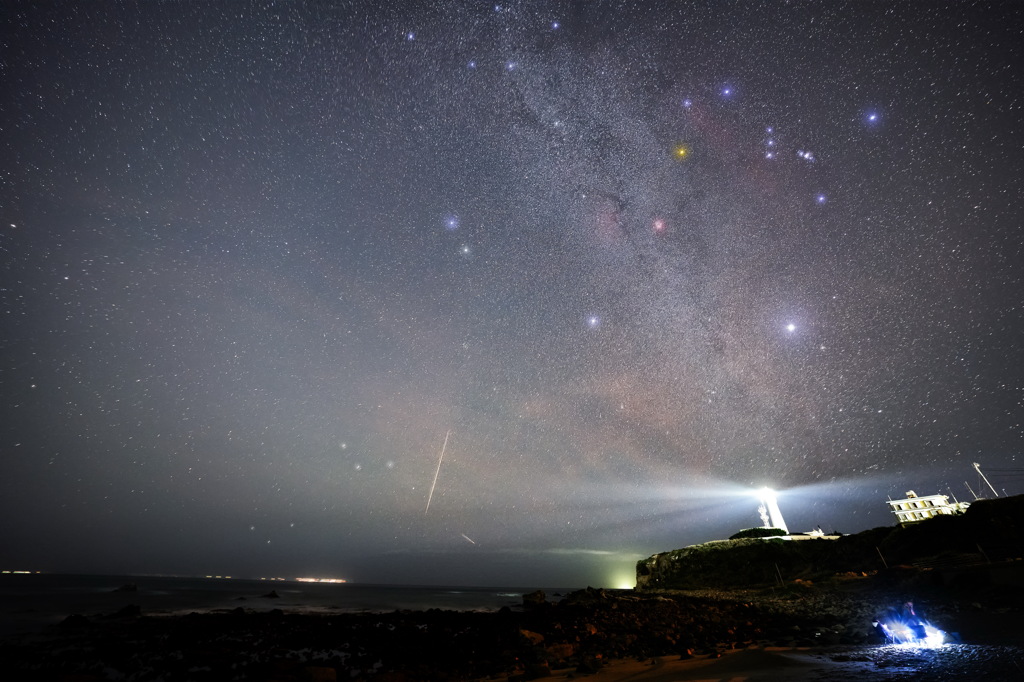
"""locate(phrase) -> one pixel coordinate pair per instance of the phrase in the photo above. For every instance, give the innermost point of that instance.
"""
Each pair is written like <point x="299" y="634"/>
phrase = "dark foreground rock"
<point x="577" y="635"/>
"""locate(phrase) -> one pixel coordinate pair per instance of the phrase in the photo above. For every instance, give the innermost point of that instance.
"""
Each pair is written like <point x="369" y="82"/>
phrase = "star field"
<point x="260" y="258"/>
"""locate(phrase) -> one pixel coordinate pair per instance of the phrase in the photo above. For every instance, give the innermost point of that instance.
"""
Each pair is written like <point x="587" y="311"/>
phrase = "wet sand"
<point x="769" y="665"/>
<point x="821" y="664"/>
<point x="754" y="665"/>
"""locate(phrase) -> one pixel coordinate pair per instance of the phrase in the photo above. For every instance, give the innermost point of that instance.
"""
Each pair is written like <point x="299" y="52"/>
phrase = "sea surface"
<point x="30" y="602"/>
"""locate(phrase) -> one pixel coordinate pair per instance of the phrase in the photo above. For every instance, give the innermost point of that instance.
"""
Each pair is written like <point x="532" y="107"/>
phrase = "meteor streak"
<point x="439" y="460"/>
<point x="468" y="538"/>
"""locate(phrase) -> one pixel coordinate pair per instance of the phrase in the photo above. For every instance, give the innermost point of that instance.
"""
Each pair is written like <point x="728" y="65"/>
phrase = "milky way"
<point x="260" y="258"/>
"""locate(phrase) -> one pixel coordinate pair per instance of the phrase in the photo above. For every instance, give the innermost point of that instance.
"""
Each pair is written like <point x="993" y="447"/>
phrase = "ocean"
<point x="30" y="602"/>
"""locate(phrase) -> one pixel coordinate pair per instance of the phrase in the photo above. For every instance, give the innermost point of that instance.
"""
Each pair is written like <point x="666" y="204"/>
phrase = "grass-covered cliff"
<point x="990" y="531"/>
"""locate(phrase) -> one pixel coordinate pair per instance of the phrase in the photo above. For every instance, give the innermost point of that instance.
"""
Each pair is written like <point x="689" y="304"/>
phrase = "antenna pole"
<point x="971" y="489"/>
<point x="977" y="468"/>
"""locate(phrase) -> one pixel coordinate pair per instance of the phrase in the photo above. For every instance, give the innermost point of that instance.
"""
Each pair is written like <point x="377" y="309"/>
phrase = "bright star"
<point x="821" y="199"/>
<point x="593" y="322"/>
<point x="682" y="151"/>
<point x="410" y="36"/>
<point x="452" y="223"/>
<point x="555" y="25"/>
<point x="687" y="103"/>
<point x="790" y="327"/>
<point x="659" y="225"/>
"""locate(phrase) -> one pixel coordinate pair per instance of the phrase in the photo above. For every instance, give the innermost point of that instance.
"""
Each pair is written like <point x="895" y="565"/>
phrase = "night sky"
<point x="258" y="260"/>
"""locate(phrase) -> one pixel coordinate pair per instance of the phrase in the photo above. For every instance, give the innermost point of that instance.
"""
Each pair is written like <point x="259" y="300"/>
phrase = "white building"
<point x="912" y="508"/>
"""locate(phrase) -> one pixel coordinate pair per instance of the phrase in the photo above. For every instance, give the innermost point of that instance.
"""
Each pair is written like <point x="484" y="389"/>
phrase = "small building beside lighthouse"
<point x="913" y="509"/>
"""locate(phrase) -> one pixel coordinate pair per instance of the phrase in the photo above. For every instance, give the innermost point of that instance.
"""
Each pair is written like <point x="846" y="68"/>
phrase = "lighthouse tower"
<point x="769" y="510"/>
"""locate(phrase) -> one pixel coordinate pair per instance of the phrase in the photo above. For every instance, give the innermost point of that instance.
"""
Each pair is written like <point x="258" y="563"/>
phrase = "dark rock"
<point x="535" y="671"/>
<point x="128" y="587"/>
<point x="129" y="611"/>
<point x="535" y="600"/>
<point x="75" y="620"/>
<point x="393" y="677"/>
<point x="533" y="638"/>
<point x="560" y="652"/>
<point x="320" y="674"/>
<point x="589" y="665"/>
<point x="272" y="595"/>
<point x="585" y="597"/>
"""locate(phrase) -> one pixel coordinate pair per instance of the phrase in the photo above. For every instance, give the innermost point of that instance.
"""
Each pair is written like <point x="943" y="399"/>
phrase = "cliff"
<point x="990" y="534"/>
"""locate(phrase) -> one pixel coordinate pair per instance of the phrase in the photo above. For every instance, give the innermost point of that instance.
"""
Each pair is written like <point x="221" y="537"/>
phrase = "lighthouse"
<point x="769" y="510"/>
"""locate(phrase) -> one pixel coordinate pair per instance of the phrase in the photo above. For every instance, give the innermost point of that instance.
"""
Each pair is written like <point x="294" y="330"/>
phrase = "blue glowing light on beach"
<point x="921" y="636"/>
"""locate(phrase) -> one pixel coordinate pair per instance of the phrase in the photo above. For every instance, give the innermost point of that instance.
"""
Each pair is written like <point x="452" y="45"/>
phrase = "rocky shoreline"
<point x="574" y="637"/>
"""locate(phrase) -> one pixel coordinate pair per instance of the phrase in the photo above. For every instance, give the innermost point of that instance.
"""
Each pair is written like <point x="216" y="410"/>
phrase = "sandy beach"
<point x="818" y="664"/>
<point x="753" y="665"/>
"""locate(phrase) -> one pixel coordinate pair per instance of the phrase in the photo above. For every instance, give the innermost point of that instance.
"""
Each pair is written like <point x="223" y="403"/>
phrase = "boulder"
<point x="129" y="611"/>
<point x="560" y="652"/>
<point x="75" y="620"/>
<point x="533" y="638"/>
<point x="535" y="600"/>
<point x="320" y="674"/>
<point x="535" y="671"/>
